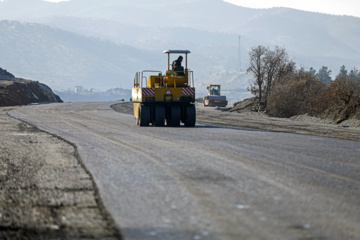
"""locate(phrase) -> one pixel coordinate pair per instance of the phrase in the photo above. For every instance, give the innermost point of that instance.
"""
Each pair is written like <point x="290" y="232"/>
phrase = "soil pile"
<point x="22" y="92"/>
<point x="340" y="114"/>
<point x="247" y="105"/>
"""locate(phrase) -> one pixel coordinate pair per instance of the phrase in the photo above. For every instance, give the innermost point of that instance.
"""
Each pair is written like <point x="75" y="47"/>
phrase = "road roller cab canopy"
<point x="168" y="52"/>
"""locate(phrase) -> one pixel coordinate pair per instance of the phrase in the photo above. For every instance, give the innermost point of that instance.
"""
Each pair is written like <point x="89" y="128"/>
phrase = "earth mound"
<point x="17" y="91"/>
<point x="246" y="105"/>
<point x="335" y="115"/>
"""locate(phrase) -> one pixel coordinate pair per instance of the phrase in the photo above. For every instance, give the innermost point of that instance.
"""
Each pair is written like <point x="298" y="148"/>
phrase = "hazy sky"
<point x="337" y="7"/>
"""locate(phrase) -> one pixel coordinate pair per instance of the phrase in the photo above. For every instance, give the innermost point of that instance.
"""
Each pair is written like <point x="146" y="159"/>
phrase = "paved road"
<point x="208" y="182"/>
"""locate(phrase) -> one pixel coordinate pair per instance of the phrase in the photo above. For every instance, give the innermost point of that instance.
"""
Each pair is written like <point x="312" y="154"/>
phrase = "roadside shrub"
<point x="298" y="94"/>
<point x="343" y="99"/>
<point x="343" y="91"/>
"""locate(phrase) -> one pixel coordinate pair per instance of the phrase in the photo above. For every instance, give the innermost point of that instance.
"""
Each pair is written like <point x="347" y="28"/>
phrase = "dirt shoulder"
<point x="258" y="121"/>
<point x="307" y="125"/>
<point x="45" y="190"/>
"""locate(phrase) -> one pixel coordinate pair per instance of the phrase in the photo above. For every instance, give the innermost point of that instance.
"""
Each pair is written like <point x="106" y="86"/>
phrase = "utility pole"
<point x="239" y="54"/>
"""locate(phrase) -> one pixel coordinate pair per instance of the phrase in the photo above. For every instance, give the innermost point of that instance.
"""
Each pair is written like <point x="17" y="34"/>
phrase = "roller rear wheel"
<point x="159" y="116"/>
<point x="144" y="116"/>
<point x="190" y="116"/>
<point x="174" y="117"/>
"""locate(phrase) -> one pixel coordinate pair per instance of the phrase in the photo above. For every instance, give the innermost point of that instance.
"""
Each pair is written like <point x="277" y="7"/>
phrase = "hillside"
<point x="16" y="91"/>
<point x="102" y="44"/>
<point x="5" y="75"/>
<point x="23" y="92"/>
<point x="63" y="59"/>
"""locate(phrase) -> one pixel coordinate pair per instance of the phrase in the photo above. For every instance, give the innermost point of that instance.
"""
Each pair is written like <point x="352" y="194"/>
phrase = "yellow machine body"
<point x="168" y="96"/>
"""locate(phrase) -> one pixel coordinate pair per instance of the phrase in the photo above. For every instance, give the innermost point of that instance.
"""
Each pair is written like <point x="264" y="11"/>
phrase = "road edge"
<point x="104" y="212"/>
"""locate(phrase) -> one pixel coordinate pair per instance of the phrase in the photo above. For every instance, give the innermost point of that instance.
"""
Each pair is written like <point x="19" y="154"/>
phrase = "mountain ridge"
<point x="108" y="30"/>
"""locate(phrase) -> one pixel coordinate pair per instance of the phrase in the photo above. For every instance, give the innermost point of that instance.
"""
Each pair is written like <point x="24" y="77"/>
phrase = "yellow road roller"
<point x="165" y="99"/>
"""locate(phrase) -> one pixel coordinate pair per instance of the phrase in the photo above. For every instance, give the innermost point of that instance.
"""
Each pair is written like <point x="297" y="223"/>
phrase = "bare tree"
<point x="257" y="69"/>
<point x="286" y="67"/>
<point x="271" y="64"/>
<point x="268" y="66"/>
<point x="277" y="66"/>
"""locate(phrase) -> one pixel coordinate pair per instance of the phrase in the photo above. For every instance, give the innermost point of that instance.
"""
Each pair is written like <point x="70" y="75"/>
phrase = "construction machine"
<point x="214" y="98"/>
<point x="165" y="98"/>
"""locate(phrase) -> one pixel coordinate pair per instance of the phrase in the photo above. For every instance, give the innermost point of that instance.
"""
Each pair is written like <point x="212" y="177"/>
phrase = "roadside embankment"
<point x="18" y="91"/>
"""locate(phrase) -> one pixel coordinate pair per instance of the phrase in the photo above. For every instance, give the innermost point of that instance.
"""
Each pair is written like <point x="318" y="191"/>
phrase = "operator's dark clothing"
<point x="176" y="63"/>
<point x="176" y="67"/>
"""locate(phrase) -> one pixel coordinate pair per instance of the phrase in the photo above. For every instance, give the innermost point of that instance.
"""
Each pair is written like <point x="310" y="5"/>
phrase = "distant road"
<point x="209" y="182"/>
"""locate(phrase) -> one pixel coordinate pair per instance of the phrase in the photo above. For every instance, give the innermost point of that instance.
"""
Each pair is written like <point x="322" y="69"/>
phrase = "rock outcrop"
<point x="5" y="75"/>
<point x="22" y="92"/>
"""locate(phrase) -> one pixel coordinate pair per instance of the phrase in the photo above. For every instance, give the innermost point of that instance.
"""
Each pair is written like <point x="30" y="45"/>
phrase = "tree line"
<point x="283" y="90"/>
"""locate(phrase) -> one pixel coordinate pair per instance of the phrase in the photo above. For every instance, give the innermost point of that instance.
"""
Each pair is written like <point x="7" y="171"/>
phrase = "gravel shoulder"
<point x="303" y="124"/>
<point x="45" y="190"/>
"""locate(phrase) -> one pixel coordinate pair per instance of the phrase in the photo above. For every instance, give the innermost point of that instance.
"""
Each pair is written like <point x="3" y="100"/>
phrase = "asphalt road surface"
<point x="210" y="182"/>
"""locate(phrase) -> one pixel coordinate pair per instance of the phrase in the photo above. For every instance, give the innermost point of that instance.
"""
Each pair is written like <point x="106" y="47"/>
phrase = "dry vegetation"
<point x="303" y="93"/>
<point x="283" y="91"/>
